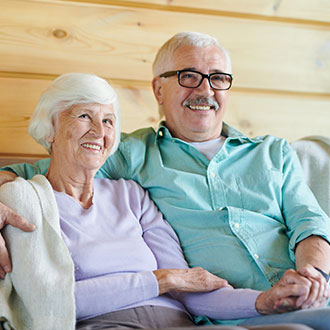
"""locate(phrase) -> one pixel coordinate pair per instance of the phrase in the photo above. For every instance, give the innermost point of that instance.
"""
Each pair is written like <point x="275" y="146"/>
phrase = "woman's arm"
<point x="194" y="279"/>
<point x="117" y="291"/>
<point x="121" y="290"/>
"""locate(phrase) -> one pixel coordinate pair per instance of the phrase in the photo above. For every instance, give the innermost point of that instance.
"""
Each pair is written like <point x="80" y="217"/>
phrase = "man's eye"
<point x="107" y="121"/>
<point x="84" y="116"/>
<point x="188" y="76"/>
<point x="218" y="77"/>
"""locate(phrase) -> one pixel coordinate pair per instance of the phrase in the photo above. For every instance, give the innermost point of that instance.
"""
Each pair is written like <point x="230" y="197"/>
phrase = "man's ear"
<point x="157" y="88"/>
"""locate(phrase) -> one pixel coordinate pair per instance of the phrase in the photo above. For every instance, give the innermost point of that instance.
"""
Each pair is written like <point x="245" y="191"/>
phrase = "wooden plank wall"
<point x="280" y="51"/>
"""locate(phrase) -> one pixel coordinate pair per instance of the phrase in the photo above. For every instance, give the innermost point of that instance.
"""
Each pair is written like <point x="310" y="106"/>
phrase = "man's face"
<point x="186" y="117"/>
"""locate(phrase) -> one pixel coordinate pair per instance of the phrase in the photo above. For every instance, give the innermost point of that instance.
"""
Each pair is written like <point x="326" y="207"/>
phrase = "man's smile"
<point x="201" y="107"/>
<point x="201" y="104"/>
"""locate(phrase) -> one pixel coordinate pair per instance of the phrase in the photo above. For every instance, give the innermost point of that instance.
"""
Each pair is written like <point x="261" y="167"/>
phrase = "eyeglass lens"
<point x="193" y="79"/>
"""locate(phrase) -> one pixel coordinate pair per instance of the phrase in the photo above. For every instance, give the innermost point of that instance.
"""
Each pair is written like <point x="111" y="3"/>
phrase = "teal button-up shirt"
<point x="239" y="215"/>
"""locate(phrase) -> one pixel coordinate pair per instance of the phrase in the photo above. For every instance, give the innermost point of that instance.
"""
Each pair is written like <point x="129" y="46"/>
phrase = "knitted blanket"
<point x="39" y="293"/>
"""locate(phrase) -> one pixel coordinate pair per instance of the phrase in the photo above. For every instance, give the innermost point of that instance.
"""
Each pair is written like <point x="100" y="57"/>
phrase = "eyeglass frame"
<point x="207" y="76"/>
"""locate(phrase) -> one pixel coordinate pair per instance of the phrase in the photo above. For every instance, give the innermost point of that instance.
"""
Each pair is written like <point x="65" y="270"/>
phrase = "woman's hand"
<point x="194" y="279"/>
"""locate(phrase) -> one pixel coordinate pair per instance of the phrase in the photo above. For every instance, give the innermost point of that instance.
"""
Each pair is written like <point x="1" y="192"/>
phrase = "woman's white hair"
<point x="164" y="56"/>
<point x="65" y="91"/>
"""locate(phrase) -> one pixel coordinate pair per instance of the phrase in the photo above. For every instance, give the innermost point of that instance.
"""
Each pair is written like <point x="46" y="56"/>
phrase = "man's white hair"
<point x="164" y="57"/>
<point x="65" y="91"/>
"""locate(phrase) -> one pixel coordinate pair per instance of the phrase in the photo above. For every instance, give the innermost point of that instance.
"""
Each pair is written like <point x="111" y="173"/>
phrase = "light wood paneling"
<point x="119" y="42"/>
<point x="253" y="113"/>
<point x="280" y="51"/>
<point x="288" y="116"/>
<point x="18" y="97"/>
<point x="315" y="10"/>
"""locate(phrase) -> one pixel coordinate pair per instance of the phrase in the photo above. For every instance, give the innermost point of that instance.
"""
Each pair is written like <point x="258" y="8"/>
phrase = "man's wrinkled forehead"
<point x="192" y="57"/>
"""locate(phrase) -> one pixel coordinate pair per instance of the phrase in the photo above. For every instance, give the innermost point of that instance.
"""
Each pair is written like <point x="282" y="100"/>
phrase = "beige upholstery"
<point x="314" y="155"/>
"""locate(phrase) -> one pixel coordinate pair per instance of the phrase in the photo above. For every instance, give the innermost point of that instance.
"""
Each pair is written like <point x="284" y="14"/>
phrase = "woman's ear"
<point x="158" y="90"/>
<point x="51" y="136"/>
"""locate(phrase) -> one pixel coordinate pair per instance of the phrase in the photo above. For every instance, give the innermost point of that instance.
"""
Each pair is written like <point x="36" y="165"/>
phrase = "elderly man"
<point x="240" y="206"/>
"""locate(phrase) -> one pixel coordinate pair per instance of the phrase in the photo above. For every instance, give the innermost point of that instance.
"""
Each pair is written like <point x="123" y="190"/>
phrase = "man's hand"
<point x="194" y="279"/>
<point x="9" y="217"/>
<point x="6" y="176"/>
<point x="288" y="294"/>
<point x="319" y="291"/>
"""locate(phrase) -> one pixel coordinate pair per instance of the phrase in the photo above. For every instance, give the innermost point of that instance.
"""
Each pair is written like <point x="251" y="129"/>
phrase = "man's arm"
<point x="8" y="217"/>
<point x="312" y="255"/>
<point x="306" y="225"/>
<point x="313" y="250"/>
<point x="6" y="176"/>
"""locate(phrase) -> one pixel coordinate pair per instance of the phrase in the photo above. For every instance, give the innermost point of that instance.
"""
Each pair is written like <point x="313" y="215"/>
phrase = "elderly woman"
<point x="102" y="253"/>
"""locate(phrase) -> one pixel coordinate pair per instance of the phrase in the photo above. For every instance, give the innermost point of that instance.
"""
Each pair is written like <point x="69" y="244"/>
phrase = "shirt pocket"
<point x="261" y="192"/>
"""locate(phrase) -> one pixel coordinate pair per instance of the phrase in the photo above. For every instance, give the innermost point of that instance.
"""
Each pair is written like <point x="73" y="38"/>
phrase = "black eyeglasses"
<point x="193" y="79"/>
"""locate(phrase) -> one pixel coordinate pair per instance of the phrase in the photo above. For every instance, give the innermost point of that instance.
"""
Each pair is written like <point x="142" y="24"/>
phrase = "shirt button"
<point x="161" y="133"/>
<point x="256" y="256"/>
<point x="220" y="208"/>
<point x="213" y="174"/>
<point x="236" y="225"/>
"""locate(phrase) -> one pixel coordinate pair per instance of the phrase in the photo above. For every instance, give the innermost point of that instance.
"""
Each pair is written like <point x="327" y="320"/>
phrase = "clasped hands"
<point x="297" y="289"/>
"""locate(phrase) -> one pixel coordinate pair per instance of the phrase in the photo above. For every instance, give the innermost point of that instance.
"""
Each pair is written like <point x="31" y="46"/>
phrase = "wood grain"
<point x="280" y="51"/>
<point x="120" y="42"/>
<point x="290" y="10"/>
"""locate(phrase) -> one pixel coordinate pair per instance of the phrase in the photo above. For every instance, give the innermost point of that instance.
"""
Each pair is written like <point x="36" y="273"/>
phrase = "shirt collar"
<point x="228" y="131"/>
<point x="162" y="131"/>
<point x="233" y="134"/>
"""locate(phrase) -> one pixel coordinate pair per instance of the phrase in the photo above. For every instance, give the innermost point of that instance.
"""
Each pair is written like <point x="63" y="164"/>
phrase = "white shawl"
<point x="39" y="293"/>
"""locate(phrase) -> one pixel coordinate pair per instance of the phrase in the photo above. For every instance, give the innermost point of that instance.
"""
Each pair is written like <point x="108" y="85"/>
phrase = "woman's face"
<point x="84" y="135"/>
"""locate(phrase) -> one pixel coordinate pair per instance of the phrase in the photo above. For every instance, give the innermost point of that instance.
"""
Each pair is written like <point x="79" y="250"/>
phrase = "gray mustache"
<point x="202" y="100"/>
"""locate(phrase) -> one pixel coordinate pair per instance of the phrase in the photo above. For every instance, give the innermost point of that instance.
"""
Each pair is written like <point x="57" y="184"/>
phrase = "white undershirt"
<point x="209" y="148"/>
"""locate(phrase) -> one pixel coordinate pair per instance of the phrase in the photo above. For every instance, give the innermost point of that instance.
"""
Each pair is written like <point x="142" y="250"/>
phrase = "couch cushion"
<point x="314" y="155"/>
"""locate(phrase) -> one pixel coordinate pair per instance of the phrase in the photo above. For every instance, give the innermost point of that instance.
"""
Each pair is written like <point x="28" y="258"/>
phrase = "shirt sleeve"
<point x="122" y="290"/>
<point x="28" y="171"/>
<point x="128" y="161"/>
<point x="303" y="215"/>
<point x="117" y="165"/>
<point x="225" y="303"/>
